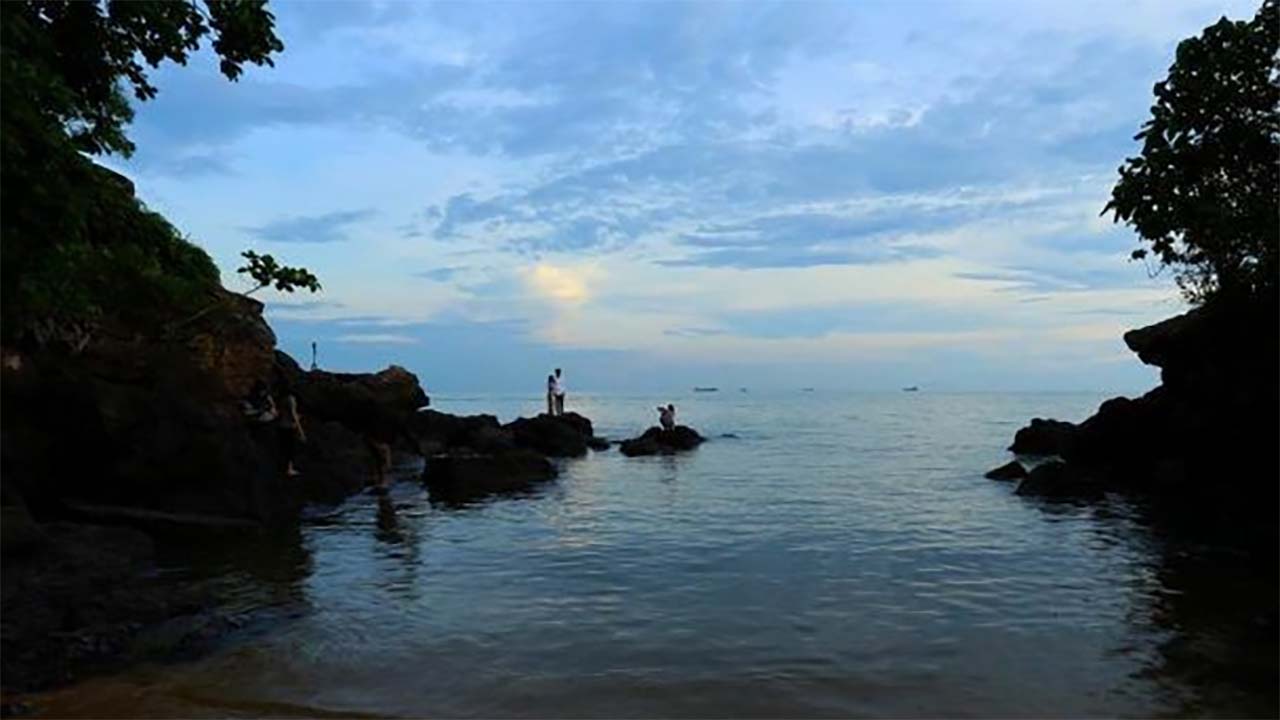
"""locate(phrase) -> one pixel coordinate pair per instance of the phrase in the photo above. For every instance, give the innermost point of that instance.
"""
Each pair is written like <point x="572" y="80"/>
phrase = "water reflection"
<point x="1210" y="593"/>
<point x="388" y="522"/>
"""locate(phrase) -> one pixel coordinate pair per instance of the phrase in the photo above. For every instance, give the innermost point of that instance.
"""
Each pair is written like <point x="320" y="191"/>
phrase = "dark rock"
<point x="598" y="443"/>
<point x="1044" y="437"/>
<point x="435" y="432"/>
<point x="78" y="601"/>
<point x="462" y="476"/>
<point x="1056" y="479"/>
<point x="656" y="441"/>
<point x="1009" y="471"/>
<point x="556" y="436"/>
<point x="334" y="463"/>
<point x="380" y="404"/>
<point x="1210" y="421"/>
<point x="580" y="423"/>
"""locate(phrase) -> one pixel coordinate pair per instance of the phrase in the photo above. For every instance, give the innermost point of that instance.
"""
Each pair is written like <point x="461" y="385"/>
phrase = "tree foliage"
<point x="266" y="272"/>
<point x="1202" y="194"/>
<point x="76" y="241"/>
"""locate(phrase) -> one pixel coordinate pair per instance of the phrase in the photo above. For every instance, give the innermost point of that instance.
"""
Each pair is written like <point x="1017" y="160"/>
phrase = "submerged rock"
<point x="656" y="441"/>
<point x="461" y="476"/>
<point x="1012" y="470"/>
<point x="598" y="443"/>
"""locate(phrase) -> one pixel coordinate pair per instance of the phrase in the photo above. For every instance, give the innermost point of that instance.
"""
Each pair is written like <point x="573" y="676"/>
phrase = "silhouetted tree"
<point x="76" y="240"/>
<point x="1203" y="192"/>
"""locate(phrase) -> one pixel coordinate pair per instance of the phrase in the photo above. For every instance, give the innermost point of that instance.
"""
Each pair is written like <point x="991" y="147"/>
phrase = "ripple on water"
<point x="841" y="557"/>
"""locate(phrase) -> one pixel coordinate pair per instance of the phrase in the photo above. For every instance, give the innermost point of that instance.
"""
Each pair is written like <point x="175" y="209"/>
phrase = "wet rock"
<point x="1009" y="471"/>
<point x="334" y="463"/>
<point x="75" y="604"/>
<point x="1044" y="437"/>
<point x="461" y="476"/>
<point x="1056" y="479"/>
<point x="656" y="441"/>
<point x="435" y="432"/>
<point x="598" y="443"/>
<point x="555" y="436"/>
<point x="380" y="404"/>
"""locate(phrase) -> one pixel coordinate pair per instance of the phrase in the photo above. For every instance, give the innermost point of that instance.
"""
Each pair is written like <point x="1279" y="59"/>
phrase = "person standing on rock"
<point x="558" y="391"/>
<point x="551" y="394"/>
<point x="290" y="427"/>
<point x="667" y="416"/>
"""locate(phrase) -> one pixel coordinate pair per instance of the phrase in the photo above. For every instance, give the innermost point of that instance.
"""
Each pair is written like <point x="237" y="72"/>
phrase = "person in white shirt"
<point x="558" y="390"/>
<point x="551" y="394"/>
<point x="667" y="416"/>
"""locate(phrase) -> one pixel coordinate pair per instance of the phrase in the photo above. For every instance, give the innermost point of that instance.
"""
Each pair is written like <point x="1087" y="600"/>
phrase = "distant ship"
<point x="913" y="388"/>
<point x="806" y="389"/>
<point x="706" y="389"/>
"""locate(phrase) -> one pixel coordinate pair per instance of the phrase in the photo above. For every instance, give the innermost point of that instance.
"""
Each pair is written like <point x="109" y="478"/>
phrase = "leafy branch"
<point x="266" y="272"/>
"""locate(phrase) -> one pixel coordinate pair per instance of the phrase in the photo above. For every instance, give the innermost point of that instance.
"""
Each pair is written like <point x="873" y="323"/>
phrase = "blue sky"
<point x="656" y="195"/>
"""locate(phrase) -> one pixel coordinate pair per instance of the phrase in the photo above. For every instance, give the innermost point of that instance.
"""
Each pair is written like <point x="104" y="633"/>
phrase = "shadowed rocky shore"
<point x="1205" y="438"/>
<point x="115" y="446"/>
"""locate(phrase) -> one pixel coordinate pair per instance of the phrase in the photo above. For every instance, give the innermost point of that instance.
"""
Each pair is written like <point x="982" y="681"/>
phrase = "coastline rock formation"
<point x="1206" y="434"/>
<point x="472" y="457"/>
<point x="656" y="441"/>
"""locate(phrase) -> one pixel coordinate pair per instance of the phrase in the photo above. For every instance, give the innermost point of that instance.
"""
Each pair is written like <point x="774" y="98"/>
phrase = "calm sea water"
<point x="841" y="555"/>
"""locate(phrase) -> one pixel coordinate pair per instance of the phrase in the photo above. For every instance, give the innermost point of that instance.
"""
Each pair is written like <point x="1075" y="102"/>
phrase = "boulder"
<point x="380" y="404"/>
<point x="334" y="463"/>
<point x="555" y="436"/>
<point x="1012" y="470"/>
<point x="656" y="441"/>
<point x="1056" y="479"/>
<point x="598" y="443"/>
<point x="77" y="602"/>
<point x="1044" y="437"/>
<point x="463" y="476"/>
<point x="435" y="432"/>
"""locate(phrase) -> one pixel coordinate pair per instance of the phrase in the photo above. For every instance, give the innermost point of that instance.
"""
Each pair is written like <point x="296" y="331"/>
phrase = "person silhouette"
<point x="557" y="390"/>
<point x="667" y="416"/>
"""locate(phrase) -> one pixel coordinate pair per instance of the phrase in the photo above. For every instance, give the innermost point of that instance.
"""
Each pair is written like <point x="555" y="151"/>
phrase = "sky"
<point x="853" y="195"/>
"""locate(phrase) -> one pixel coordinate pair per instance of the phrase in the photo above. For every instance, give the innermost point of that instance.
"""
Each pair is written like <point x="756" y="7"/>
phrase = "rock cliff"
<point x="1206" y="435"/>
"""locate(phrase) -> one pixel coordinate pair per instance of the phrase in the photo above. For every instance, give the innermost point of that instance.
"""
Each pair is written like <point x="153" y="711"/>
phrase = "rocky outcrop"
<point x="436" y="432"/>
<point x="79" y="600"/>
<point x="1012" y="470"/>
<point x="146" y="420"/>
<point x="556" y="436"/>
<point x="1056" y="479"/>
<point x="380" y="404"/>
<point x="656" y="441"/>
<point x="1044" y="437"/>
<point x="1206" y="435"/>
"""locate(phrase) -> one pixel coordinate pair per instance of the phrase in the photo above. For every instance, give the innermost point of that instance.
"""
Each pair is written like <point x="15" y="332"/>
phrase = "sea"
<point x="824" y="554"/>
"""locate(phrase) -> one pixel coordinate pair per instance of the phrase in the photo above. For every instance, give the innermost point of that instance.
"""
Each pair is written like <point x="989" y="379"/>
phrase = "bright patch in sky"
<point x="657" y="195"/>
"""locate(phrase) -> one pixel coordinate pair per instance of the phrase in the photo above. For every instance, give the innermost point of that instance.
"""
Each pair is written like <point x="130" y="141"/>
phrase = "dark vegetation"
<point x="79" y="247"/>
<point x="1204" y="197"/>
<point x="1202" y="194"/>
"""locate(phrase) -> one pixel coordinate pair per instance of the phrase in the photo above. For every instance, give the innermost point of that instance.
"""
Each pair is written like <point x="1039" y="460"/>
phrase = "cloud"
<point x="377" y="339"/>
<point x="560" y="284"/>
<point x="779" y="178"/>
<point x="326" y="228"/>
<point x="440" y="274"/>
